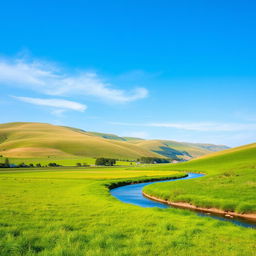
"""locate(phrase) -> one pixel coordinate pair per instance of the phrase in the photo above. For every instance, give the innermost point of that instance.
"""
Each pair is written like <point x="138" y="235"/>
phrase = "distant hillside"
<point x="106" y="135"/>
<point x="183" y="150"/>
<point x="43" y="140"/>
<point x="166" y="148"/>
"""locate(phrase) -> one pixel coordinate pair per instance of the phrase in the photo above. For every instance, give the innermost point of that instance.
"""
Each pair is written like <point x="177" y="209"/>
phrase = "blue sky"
<point x="180" y="70"/>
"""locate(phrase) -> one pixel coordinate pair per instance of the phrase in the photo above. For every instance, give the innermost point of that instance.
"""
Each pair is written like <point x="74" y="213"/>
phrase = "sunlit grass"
<point x="61" y="161"/>
<point x="230" y="183"/>
<point x="61" y="212"/>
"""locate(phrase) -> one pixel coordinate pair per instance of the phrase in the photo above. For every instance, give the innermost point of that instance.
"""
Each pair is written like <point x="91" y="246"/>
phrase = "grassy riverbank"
<point x="71" y="212"/>
<point x="230" y="182"/>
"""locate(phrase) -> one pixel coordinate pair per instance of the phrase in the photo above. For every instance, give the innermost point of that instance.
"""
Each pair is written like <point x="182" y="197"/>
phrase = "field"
<point x="61" y="161"/>
<point x="230" y="183"/>
<point x="71" y="212"/>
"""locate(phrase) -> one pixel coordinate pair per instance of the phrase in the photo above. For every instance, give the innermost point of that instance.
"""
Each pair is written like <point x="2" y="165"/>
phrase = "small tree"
<point x="78" y="164"/>
<point x="38" y="165"/>
<point x="7" y="163"/>
<point x="53" y="165"/>
<point x="99" y="161"/>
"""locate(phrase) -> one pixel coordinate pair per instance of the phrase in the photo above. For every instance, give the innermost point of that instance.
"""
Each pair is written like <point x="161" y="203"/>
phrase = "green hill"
<point x="28" y="140"/>
<point x="38" y="139"/>
<point x="182" y="150"/>
<point x="230" y="182"/>
<point x="225" y="160"/>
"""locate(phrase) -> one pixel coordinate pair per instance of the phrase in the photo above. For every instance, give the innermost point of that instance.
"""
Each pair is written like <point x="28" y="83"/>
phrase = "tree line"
<point x="101" y="161"/>
<point x="7" y="164"/>
<point x="105" y="161"/>
<point x="153" y="160"/>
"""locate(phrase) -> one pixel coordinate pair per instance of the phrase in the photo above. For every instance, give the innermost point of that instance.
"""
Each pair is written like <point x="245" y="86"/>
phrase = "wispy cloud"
<point x="200" y="126"/>
<point x="59" y="104"/>
<point x="51" y="79"/>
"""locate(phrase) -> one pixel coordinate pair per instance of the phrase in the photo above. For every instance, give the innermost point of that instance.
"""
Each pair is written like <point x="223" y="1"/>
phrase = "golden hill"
<point x="42" y="140"/>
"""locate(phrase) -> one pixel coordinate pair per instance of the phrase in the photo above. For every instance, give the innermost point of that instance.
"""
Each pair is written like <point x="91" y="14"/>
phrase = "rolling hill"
<point x="229" y="184"/>
<point x="183" y="150"/>
<point x="243" y="155"/>
<point x="23" y="140"/>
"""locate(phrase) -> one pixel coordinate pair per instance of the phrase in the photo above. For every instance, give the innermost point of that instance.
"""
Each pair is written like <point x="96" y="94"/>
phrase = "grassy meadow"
<point x="230" y="183"/>
<point x="62" y="161"/>
<point x="69" y="211"/>
<point x="60" y="211"/>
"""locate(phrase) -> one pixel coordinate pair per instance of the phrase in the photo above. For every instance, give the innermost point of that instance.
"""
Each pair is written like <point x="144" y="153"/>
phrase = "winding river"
<point x="132" y="194"/>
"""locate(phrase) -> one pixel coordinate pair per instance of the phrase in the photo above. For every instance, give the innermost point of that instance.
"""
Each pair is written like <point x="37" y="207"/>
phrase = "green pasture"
<point x="60" y="212"/>
<point x="230" y="183"/>
<point x="61" y="161"/>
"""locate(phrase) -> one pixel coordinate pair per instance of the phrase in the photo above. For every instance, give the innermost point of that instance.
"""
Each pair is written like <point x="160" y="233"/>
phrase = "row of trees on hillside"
<point x="99" y="161"/>
<point x="7" y="164"/>
<point x="153" y="160"/>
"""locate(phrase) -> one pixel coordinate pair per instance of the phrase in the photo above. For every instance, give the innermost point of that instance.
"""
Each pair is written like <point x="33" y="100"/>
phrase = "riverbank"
<point x="145" y="179"/>
<point x="247" y="216"/>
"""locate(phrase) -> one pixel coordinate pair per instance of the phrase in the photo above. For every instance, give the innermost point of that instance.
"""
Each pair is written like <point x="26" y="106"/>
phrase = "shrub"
<point x="7" y="163"/>
<point x="53" y="165"/>
<point x="105" y="161"/>
<point x="153" y="160"/>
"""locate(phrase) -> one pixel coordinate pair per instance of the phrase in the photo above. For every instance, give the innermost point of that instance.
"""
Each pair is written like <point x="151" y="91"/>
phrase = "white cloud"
<point x="50" y="79"/>
<point x="61" y="105"/>
<point x="200" y="126"/>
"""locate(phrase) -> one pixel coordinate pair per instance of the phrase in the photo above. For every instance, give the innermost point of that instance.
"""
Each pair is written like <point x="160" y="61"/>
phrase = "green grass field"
<point x="71" y="212"/>
<point x="61" y="161"/>
<point x="230" y="183"/>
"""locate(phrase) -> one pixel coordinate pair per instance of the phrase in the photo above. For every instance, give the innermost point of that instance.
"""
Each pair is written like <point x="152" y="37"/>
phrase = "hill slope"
<point x="218" y="161"/>
<point x="30" y="139"/>
<point x="44" y="140"/>
<point x="165" y="148"/>
<point x="181" y="150"/>
<point x="229" y="185"/>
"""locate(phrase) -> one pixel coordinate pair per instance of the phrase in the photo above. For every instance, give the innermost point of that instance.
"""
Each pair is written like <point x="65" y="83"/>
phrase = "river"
<point x="132" y="194"/>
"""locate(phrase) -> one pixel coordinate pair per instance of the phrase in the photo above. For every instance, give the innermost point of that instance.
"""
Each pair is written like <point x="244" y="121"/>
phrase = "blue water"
<point x="132" y="194"/>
